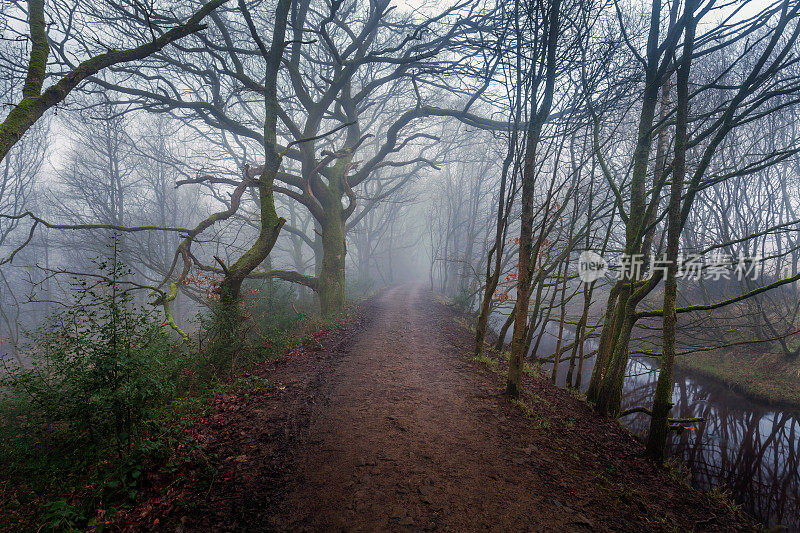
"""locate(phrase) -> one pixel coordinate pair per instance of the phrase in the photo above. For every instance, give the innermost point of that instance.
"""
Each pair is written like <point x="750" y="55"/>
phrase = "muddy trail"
<point x="391" y="426"/>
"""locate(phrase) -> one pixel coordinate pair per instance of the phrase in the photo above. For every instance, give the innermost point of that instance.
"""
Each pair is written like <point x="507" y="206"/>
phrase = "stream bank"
<point x="768" y="378"/>
<point x="747" y="449"/>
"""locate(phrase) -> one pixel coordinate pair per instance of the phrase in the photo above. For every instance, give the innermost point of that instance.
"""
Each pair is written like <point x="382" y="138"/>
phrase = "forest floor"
<point x="391" y="425"/>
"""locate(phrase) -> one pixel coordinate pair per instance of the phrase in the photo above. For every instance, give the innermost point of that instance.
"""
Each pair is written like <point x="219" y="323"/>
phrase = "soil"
<point x="391" y="426"/>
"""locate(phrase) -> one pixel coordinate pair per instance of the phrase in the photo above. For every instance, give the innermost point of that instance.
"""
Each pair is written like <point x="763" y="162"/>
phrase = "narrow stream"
<point x="748" y="449"/>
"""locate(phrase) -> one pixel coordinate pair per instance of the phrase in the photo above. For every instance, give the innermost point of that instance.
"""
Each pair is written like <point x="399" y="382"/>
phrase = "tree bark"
<point x="331" y="288"/>
<point x="662" y="400"/>
<point x="270" y="223"/>
<point x="35" y="103"/>
<point x="525" y="270"/>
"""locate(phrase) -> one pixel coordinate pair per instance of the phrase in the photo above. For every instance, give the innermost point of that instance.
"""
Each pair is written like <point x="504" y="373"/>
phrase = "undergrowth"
<point x="110" y="396"/>
<point x="490" y="362"/>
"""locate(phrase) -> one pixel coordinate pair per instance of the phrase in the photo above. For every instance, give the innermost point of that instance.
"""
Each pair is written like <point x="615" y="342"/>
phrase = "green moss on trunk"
<point x="331" y="289"/>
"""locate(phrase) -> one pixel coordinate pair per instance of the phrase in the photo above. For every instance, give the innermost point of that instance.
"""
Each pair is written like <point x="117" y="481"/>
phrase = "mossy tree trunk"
<point x="609" y="379"/>
<point x="609" y="398"/>
<point x="270" y="224"/>
<point x="331" y="278"/>
<point x="662" y="400"/>
<point x="35" y="102"/>
<point x="604" y="346"/>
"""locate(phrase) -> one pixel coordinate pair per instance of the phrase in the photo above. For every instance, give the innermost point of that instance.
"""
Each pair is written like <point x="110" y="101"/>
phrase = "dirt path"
<point x="391" y="426"/>
<point x="410" y="436"/>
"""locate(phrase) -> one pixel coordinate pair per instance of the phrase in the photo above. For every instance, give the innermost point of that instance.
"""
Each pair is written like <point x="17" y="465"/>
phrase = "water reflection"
<point x="748" y="449"/>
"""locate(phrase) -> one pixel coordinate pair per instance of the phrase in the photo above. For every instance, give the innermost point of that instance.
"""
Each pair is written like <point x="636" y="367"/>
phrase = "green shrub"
<point x="98" y="367"/>
<point x="107" y="393"/>
<point x="359" y="287"/>
<point x="59" y="515"/>
<point x="235" y="337"/>
<point x="268" y="303"/>
<point x="223" y="343"/>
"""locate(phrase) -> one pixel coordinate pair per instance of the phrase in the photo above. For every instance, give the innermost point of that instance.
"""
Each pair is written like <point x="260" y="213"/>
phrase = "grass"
<point x="526" y="409"/>
<point x="722" y="497"/>
<point x="465" y="323"/>
<point x="768" y="378"/>
<point x="490" y="362"/>
<point x="537" y="420"/>
<point x="532" y="369"/>
<point x="577" y="394"/>
<point x="677" y="470"/>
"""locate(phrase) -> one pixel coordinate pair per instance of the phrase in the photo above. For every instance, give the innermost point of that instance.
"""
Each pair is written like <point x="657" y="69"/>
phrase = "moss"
<point x="39" y="50"/>
<point x="169" y="319"/>
<point x="17" y="122"/>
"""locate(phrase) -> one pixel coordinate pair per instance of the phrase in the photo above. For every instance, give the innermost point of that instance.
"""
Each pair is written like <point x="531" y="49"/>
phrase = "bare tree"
<point x="35" y="100"/>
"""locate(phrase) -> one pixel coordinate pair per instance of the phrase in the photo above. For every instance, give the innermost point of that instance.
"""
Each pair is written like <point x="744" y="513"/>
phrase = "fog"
<point x="236" y="167"/>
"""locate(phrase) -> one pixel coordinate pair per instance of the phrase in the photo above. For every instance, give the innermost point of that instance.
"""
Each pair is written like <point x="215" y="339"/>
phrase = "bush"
<point x="462" y="299"/>
<point x="235" y="337"/>
<point x="269" y="304"/>
<point x="108" y="392"/>
<point x="359" y="287"/>
<point x="98" y="368"/>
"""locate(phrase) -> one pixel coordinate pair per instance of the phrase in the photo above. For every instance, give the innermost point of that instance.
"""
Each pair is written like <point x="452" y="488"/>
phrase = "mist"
<point x="220" y="217"/>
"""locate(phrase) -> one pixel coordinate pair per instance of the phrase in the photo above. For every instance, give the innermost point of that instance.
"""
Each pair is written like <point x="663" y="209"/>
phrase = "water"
<point x="748" y="449"/>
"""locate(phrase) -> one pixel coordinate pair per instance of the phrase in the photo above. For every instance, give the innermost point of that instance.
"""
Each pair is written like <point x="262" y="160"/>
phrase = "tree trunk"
<point x="229" y="313"/>
<point x="35" y="102"/>
<point x="483" y="317"/>
<point x="503" y="333"/>
<point x="493" y="277"/>
<point x="609" y="393"/>
<point x="525" y="270"/>
<point x="662" y="400"/>
<point x="331" y="289"/>
<point x="604" y="347"/>
<point x="609" y="398"/>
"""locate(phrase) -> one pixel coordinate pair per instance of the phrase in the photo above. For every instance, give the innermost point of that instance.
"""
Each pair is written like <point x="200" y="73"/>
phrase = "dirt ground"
<point x="392" y="427"/>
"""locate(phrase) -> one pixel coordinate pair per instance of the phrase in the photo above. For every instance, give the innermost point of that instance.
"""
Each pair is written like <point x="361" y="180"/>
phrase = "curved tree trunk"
<point x="35" y="102"/>
<point x="229" y="312"/>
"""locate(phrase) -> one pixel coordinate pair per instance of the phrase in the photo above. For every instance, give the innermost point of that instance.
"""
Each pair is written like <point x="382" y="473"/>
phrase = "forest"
<point x="392" y="265"/>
